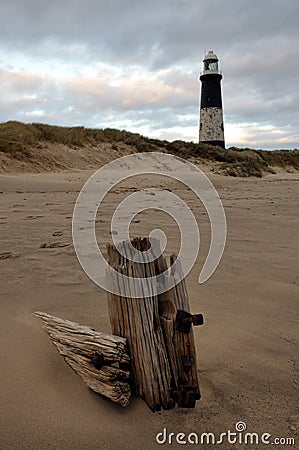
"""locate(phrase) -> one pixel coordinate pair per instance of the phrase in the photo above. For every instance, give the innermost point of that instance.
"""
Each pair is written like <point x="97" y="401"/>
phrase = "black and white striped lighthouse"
<point x="211" y="129"/>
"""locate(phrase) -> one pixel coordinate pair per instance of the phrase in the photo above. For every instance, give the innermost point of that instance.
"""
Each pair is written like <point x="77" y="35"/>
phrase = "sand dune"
<point x="26" y="148"/>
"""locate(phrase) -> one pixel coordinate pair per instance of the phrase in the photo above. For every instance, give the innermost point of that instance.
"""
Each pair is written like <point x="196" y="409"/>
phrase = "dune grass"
<point x="19" y="140"/>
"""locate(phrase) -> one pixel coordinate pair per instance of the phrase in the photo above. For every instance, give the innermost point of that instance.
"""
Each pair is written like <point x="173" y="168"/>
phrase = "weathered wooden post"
<point x="158" y="329"/>
<point x="151" y="352"/>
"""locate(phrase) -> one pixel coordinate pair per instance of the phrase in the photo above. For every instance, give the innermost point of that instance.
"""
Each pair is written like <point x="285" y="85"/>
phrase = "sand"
<point x="247" y="350"/>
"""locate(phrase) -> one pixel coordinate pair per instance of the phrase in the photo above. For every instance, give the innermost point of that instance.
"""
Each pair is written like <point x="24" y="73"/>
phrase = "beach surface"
<point x="247" y="351"/>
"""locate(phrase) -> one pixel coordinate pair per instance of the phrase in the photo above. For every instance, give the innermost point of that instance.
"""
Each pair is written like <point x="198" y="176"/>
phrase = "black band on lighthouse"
<point x="211" y="91"/>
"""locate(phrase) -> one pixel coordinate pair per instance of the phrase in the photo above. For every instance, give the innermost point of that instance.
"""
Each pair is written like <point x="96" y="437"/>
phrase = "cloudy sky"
<point x="134" y="64"/>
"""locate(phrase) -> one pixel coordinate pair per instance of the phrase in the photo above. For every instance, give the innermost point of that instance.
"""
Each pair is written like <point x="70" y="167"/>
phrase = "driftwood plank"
<point x="79" y="345"/>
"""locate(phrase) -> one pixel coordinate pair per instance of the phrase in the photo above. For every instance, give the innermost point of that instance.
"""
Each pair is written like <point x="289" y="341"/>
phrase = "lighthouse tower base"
<point x="211" y="130"/>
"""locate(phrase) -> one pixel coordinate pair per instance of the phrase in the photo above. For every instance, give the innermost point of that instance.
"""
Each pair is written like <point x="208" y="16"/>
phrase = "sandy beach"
<point x="247" y="350"/>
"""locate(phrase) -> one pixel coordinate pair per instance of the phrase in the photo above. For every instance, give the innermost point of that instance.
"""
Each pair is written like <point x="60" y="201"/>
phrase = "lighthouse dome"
<point x="210" y="55"/>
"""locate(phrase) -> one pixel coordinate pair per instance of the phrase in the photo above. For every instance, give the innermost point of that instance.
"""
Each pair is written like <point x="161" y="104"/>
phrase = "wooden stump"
<point x="158" y="330"/>
<point x="101" y="360"/>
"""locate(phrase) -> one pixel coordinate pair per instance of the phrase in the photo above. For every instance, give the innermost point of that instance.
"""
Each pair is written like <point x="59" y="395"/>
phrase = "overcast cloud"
<point x="134" y="65"/>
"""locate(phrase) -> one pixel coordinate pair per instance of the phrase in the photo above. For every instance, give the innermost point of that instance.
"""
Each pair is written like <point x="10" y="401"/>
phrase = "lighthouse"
<point x="211" y="129"/>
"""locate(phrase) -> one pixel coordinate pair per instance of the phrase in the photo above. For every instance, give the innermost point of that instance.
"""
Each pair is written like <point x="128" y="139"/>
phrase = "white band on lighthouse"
<point x="211" y="125"/>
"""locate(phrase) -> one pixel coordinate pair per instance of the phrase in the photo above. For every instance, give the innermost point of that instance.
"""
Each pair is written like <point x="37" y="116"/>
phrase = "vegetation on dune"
<point x="23" y="141"/>
<point x="16" y="137"/>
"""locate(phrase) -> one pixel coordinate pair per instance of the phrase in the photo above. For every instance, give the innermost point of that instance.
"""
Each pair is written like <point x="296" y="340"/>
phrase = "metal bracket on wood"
<point x="184" y="320"/>
<point x="186" y="396"/>
<point x="98" y="359"/>
<point x="187" y="362"/>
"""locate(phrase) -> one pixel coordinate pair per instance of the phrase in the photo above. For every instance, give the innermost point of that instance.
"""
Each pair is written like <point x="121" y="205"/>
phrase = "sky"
<point x="134" y="65"/>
